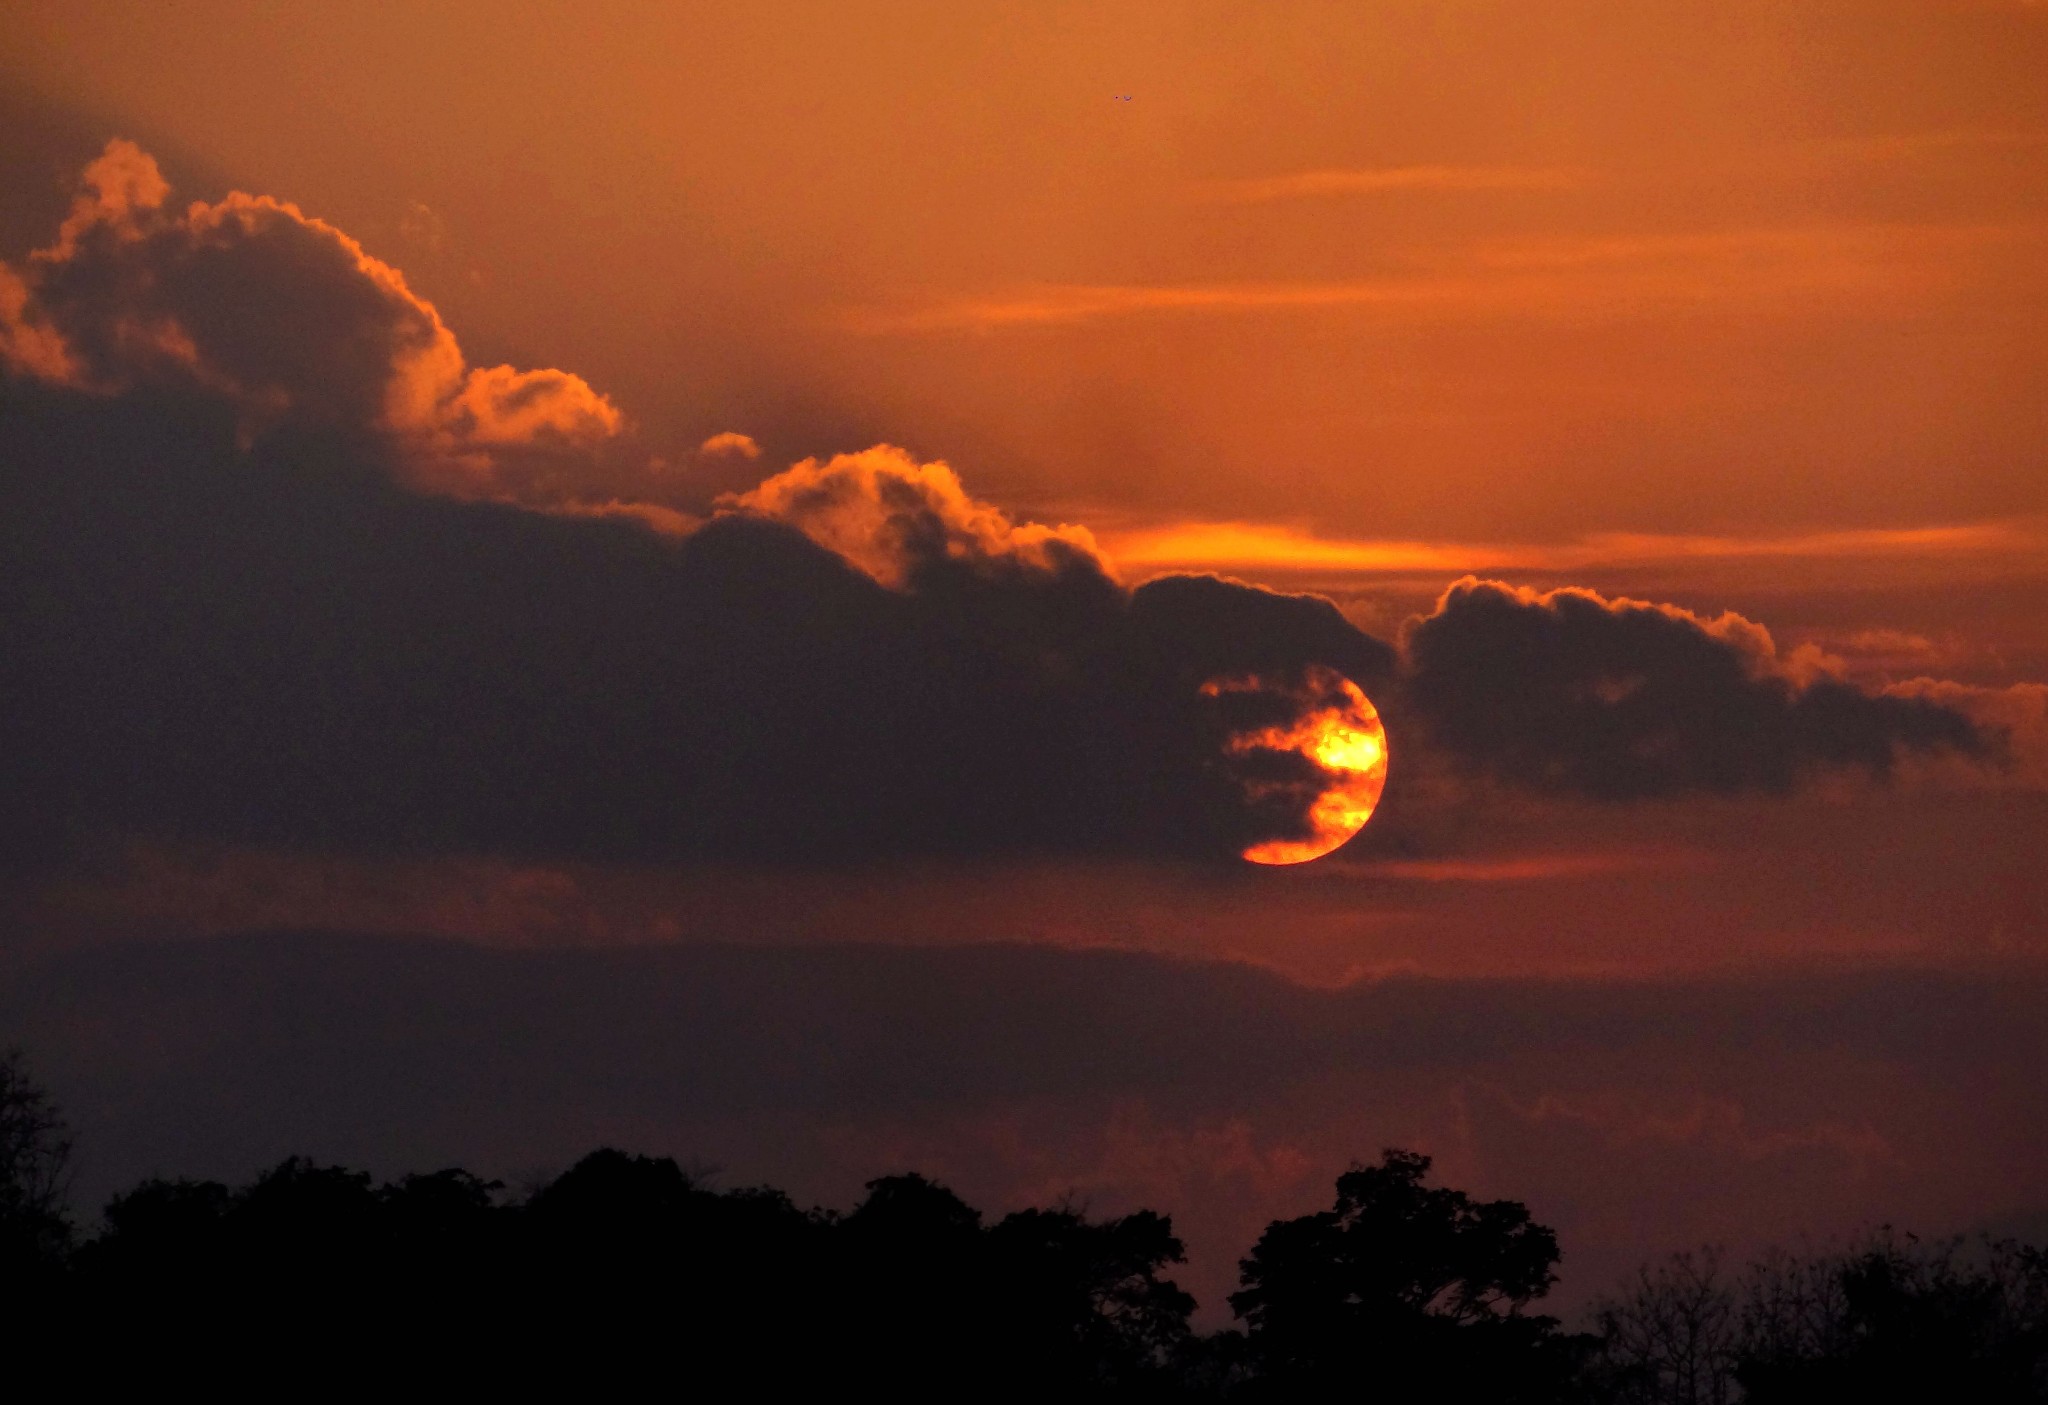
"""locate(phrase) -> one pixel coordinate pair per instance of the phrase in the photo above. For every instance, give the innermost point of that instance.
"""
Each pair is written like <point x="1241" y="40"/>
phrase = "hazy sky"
<point x="1439" y="271"/>
<point x="332" y="621"/>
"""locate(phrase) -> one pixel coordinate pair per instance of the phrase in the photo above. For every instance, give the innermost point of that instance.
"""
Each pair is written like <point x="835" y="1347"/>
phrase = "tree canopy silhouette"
<point x="625" y="1265"/>
<point x="1884" y="1320"/>
<point x="1418" y="1290"/>
<point x="627" y="1271"/>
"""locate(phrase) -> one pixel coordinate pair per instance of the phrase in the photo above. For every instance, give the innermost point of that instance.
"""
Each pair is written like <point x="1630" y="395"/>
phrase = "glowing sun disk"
<point x="1348" y="744"/>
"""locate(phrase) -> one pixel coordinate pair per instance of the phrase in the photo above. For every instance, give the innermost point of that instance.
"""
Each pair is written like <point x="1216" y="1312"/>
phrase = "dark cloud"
<point x="719" y="1030"/>
<point x="279" y="644"/>
<point x="284" y="317"/>
<point x="274" y="579"/>
<point x="281" y="569"/>
<point x="1567" y="691"/>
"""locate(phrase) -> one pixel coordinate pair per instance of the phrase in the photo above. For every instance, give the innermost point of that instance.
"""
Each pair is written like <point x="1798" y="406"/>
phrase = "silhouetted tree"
<point x="35" y="1159"/>
<point x="912" y="1267"/>
<point x="626" y="1272"/>
<point x="1043" y="1305"/>
<point x="1403" y="1291"/>
<point x="626" y="1261"/>
<point x="1886" y="1319"/>
<point x="1894" y="1321"/>
<point x="1085" y="1299"/>
<point x="1672" y="1337"/>
<point x="163" y="1227"/>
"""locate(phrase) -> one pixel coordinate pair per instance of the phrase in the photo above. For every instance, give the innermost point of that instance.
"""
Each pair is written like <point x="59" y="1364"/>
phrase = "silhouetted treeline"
<point x="1883" y="1319"/>
<point x="627" y="1274"/>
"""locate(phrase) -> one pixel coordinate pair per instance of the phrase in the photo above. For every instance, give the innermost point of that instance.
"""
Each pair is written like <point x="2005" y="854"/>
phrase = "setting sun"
<point x="1347" y="743"/>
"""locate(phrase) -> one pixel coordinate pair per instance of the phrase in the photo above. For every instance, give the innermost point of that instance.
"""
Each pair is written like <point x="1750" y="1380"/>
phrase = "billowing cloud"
<point x="730" y="442"/>
<point x="1568" y="691"/>
<point x="273" y="643"/>
<point x="28" y="343"/>
<point x="285" y="318"/>
<point x="236" y="633"/>
<point x="2017" y="714"/>
<point x="898" y="519"/>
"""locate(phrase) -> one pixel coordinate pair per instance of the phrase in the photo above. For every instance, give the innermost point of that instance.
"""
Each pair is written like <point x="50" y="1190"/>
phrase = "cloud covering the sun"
<point x="284" y="317"/>
<point x="292" y="573"/>
<point x="277" y="644"/>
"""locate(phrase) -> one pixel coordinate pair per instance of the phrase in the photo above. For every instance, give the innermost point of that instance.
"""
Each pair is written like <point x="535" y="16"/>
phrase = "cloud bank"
<point x="1567" y="691"/>
<point x="282" y="569"/>
<point x="282" y="645"/>
<point x="284" y="317"/>
<point x="902" y="521"/>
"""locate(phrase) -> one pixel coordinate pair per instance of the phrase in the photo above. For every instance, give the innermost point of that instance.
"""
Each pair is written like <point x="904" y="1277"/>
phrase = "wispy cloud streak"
<point x="1877" y="265"/>
<point x="1382" y="180"/>
<point x="1253" y="546"/>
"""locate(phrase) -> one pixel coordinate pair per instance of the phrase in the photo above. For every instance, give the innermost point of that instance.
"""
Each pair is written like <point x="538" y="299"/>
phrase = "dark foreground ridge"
<point x="628" y="1273"/>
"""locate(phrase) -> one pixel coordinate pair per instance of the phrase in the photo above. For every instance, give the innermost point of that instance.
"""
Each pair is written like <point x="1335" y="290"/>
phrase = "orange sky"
<point x="1428" y="271"/>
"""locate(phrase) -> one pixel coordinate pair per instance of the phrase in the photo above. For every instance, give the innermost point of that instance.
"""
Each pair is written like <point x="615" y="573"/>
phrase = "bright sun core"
<point x="1348" y="743"/>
